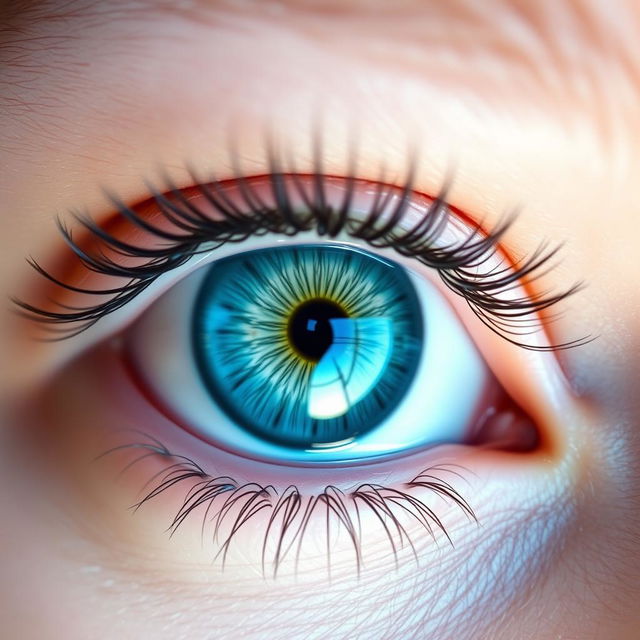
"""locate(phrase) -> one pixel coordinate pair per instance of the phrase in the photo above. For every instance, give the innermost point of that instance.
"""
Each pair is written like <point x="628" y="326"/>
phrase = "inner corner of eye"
<point x="319" y="353"/>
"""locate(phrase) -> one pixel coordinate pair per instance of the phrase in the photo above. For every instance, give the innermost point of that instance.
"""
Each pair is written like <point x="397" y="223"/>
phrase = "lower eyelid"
<point x="96" y="425"/>
<point x="522" y="507"/>
<point x="90" y="426"/>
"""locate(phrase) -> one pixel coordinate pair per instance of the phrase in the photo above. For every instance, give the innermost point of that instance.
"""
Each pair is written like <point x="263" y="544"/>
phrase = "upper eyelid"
<point x="453" y="262"/>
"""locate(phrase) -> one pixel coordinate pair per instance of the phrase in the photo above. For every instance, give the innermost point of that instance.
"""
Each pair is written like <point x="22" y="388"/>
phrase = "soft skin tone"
<point x="533" y="105"/>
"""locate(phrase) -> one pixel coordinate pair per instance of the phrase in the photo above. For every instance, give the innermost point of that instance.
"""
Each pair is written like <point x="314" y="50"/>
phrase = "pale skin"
<point x="533" y="105"/>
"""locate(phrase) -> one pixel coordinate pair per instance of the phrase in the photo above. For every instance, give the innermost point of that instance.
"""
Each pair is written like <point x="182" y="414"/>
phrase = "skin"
<point x="534" y="105"/>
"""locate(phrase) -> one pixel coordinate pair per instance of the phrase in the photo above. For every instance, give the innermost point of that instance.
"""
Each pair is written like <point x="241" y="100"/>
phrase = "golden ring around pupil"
<point x="305" y="345"/>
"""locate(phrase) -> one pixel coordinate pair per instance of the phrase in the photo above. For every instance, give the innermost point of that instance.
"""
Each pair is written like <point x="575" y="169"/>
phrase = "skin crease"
<point x="532" y="104"/>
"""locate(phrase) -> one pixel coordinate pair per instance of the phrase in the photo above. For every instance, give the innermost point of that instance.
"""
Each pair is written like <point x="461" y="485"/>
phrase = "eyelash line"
<point x="290" y="510"/>
<point x="458" y="264"/>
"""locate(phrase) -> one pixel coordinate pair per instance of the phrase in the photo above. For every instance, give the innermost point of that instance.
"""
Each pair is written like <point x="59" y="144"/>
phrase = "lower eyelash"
<point x="226" y="506"/>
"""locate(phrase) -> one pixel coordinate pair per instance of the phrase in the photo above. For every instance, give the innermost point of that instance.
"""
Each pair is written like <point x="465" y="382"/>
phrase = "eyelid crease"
<point x="466" y="267"/>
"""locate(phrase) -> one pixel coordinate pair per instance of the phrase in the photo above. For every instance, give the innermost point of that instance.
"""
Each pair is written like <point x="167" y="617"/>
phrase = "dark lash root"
<point x="226" y="506"/>
<point x="460" y="265"/>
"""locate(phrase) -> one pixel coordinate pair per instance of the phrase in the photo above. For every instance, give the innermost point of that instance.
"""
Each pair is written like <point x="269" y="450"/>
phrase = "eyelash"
<point x="194" y="232"/>
<point x="458" y="265"/>
<point x="290" y="511"/>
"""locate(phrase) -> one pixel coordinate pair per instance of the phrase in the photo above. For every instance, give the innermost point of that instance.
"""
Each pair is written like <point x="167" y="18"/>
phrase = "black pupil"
<point x="309" y="329"/>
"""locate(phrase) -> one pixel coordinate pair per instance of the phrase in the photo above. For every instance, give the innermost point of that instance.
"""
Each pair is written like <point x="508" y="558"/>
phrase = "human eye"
<point x="140" y="499"/>
<point x="305" y="354"/>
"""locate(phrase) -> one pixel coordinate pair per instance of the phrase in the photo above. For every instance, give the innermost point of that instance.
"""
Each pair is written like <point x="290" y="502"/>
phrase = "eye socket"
<point x="128" y="293"/>
<point x="311" y="353"/>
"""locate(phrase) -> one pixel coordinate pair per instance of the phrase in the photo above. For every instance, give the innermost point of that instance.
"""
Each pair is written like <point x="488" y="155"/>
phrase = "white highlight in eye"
<point x="352" y="365"/>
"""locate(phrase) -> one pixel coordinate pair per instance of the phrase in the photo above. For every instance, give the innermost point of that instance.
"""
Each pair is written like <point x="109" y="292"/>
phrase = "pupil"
<point x="309" y="330"/>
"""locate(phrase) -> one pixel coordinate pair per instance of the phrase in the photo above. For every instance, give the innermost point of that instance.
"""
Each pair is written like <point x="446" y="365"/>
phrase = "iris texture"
<point x="308" y="345"/>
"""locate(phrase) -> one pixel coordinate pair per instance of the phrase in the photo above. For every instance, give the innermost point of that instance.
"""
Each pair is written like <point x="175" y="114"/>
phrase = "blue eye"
<point x="311" y="353"/>
<point x="307" y="346"/>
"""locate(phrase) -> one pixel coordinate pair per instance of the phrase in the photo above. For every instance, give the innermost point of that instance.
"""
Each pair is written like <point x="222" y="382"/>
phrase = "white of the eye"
<point x="444" y="398"/>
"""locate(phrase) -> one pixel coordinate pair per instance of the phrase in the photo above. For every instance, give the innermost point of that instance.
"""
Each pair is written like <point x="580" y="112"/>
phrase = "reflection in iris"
<point x="351" y="367"/>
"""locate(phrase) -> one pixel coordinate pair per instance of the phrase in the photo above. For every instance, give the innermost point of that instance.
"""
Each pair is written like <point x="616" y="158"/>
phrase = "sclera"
<point x="442" y="404"/>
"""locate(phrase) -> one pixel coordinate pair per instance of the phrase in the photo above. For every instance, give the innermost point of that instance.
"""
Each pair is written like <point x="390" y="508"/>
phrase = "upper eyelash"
<point x="457" y="264"/>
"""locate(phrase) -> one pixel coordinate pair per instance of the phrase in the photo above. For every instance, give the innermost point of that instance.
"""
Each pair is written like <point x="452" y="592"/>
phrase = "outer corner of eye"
<point x="315" y="353"/>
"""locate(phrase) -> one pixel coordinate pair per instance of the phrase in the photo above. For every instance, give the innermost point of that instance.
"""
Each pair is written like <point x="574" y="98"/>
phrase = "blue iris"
<point x="307" y="345"/>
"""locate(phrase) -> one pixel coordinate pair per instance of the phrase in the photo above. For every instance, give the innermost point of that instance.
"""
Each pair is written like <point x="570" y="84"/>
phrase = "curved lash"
<point x="226" y="506"/>
<point x="463" y="266"/>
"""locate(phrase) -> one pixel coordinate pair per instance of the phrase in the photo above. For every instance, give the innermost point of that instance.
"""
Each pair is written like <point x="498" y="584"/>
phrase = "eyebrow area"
<point x="551" y="42"/>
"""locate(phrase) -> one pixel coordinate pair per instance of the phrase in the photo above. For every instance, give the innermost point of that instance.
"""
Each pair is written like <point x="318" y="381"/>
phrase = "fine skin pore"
<point x="532" y="105"/>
